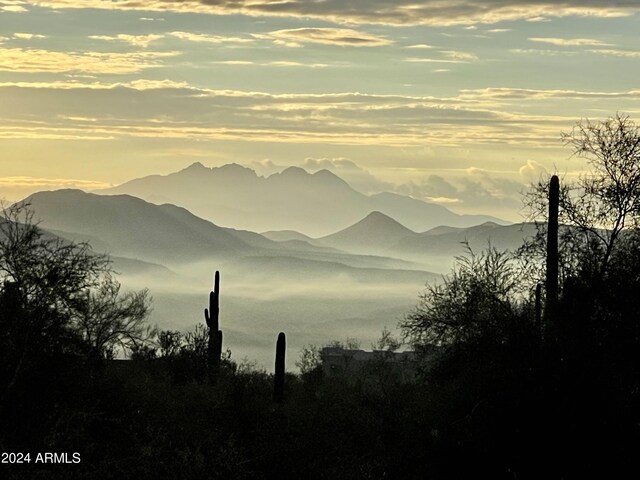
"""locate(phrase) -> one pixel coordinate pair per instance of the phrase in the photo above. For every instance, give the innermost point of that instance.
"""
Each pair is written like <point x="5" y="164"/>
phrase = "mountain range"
<point x="129" y="227"/>
<point x="313" y="204"/>
<point x="349" y="283"/>
<point x="379" y="234"/>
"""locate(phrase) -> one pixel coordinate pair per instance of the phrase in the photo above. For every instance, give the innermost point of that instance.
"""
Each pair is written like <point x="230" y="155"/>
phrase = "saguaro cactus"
<point x="538" y="324"/>
<point x="552" y="250"/>
<point x="214" y="347"/>
<point x="278" y="381"/>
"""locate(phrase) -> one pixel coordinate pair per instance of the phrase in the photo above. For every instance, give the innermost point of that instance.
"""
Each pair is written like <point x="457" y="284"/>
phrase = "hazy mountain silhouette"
<point x="379" y="234"/>
<point x="130" y="227"/>
<point x="121" y="265"/>
<point x="446" y="241"/>
<point x="287" y="235"/>
<point x="420" y="216"/>
<point x="375" y="232"/>
<point x="316" y="204"/>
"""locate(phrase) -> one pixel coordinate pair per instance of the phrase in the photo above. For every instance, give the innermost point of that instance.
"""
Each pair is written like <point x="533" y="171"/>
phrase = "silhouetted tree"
<point x="309" y="359"/>
<point x="41" y="279"/>
<point x="170" y="342"/>
<point x="603" y="202"/>
<point x="109" y="320"/>
<point x="58" y="298"/>
<point x="476" y="300"/>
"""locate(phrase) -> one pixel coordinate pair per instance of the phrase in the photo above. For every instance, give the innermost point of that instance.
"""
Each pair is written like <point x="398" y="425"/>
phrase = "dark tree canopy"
<point x="109" y="320"/>
<point x="59" y="295"/>
<point x="474" y="301"/>
<point x="599" y="209"/>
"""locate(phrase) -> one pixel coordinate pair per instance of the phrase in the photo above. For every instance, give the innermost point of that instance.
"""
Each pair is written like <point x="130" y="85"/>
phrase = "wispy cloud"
<point x="431" y="60"/>
<point x="13" y="7"/>
<point x="543" y="52"/>
<point x="461" y="56"/>
<point x="570" y="42"/>
<point x="287" y="63"/>
<point x="50" y="183"/>
<point x="274" y="63"/>
<point x="614" y="52"/>
<point x="532" y="171"/>
<point x="37" y="60"/>
<point x="28" y="36"/>
<point x="205" y="38"/>
<point x="235" y="62"/>
<point x="525" y="93"/>
<point x="618" y="53"/>
<point x="445" y="56"/>
<point x="420" y="46"/>
<point x="135" y="40"/>
<point x="145" y="40"/>
<point x="140" y="85"/>
<point x="295" y="37"/>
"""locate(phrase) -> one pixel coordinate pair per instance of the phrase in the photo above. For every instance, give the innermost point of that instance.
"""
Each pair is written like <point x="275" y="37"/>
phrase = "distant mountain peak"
<point x="195" y="167"/>
<point x="376" y="214"/>
<point x="329" y="176"/>
<point x="376" y="230"/>
<point x="325" y="173"/>
<point x="294" y="171"/>
<point x="235" y="171"/>
<point x="233" y="166"/>
<point x="378" y="219"/>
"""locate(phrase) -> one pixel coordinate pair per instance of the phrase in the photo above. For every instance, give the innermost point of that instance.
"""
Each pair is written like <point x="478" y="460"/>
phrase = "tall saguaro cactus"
<point x="214" y="347"/>
<point x="538" y="307"/>
<point x="552" y="250"/>
<point x="278" y="381"/>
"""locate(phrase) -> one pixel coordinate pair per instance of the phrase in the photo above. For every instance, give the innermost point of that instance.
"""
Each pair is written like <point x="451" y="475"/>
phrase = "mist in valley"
<point x="351" y="283"/>
<point x="254" y="307"/>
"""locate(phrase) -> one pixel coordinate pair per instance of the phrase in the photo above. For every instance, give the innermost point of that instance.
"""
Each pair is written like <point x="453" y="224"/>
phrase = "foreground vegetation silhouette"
<point x="513" y="380"/>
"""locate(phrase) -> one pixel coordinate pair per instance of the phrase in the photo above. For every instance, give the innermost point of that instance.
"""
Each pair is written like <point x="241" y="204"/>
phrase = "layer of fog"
<point x="256" y="306"/>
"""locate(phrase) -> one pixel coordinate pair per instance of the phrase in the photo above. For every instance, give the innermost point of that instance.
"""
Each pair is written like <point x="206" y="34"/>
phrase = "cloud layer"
<point x="169" y="109"/>
<point x="394" y="12"/>
<point x="30" y="60"/>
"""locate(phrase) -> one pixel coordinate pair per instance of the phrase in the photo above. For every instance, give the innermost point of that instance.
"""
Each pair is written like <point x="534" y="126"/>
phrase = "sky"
<point x="458" y="102"/>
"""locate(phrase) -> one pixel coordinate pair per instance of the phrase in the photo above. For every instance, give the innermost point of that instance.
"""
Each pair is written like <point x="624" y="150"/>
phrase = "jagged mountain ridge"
<point x="315" y="204"/>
